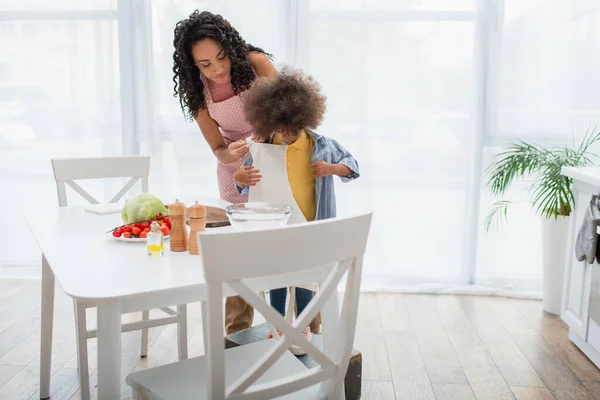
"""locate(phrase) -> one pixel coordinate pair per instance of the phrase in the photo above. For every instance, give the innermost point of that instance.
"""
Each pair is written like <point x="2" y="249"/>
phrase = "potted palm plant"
<point x="550" y="194"/>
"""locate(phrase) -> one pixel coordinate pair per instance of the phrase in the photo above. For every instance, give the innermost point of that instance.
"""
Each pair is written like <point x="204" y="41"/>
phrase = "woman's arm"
<point x="212" y="135"/>
<point x="262" y="64"/>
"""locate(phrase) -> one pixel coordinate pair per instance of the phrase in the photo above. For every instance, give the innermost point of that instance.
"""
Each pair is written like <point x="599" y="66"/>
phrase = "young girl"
<point x="284" y="110"/>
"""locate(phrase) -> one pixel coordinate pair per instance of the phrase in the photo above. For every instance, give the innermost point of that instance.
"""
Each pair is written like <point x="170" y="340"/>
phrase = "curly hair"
<point x="290" y="102"/>
<point x="198" y="26"/>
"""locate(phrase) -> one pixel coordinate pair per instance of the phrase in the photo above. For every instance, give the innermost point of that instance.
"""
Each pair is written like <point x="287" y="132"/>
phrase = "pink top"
<point x="227" y="110"/>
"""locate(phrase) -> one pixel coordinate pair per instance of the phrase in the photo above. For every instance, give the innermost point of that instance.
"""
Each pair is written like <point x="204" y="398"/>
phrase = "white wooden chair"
<point x="323" y="251"/>
<point x="66" y="172"/>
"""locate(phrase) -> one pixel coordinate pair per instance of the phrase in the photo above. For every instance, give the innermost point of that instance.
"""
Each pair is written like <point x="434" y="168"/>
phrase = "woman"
<point x="212" y="66"/>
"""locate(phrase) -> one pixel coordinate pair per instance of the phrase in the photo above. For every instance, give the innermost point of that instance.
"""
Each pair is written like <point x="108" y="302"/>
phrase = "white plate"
<point x="133" y="240"/>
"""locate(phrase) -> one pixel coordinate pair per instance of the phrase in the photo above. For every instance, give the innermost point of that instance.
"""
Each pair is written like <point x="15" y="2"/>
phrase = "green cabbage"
<point x="142" y="207"/>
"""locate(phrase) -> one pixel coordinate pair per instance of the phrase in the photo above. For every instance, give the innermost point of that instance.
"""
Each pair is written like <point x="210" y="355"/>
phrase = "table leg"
<point x="182" y="341"/>
<point x="46" y="328"/>
<point x="204" y="311"/>
<point x="109" y="349"/>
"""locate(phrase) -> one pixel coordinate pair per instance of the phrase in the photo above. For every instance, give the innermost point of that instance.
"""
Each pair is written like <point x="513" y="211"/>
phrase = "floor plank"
<point x="65" y="383"/>
<point x="529" y="393"/>
<point x="370" y="341"/>
<point x="438" y="354"/>
<point x="413" y="347"/>
<point x="453" y="392"/>
<point x="557" y="376"/>
<point x="377" y="390"/>
<point x="593" y="387"/>
<point x="511" y="362"/>
<point x="484" y="376"/>
<point x="7" y="372"/>
<point x="409" y="373"/>
<point x="556" y="333"/>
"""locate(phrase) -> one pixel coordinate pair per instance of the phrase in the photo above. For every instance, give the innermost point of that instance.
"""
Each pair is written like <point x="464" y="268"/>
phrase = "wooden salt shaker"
<point x="178" y="232"/>
<point x="197" y="224"/>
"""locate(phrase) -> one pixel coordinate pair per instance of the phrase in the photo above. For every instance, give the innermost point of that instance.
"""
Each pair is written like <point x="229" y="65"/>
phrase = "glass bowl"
<point x="258" y="215"/>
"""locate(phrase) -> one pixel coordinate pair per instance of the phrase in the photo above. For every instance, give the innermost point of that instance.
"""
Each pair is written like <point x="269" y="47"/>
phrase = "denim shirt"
<point x="330" y="151"/>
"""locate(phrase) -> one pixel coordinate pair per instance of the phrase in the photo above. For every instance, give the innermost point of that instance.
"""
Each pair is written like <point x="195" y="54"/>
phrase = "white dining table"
<point x="92" y="266"/>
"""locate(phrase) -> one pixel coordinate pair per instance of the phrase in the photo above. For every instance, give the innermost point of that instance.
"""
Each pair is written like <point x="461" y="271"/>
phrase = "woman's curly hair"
<point x="198" y="26"/>
<point x="290" y="102"/>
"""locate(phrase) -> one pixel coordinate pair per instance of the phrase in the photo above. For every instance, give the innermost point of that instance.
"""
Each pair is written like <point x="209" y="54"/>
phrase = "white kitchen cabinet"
<point x="581" y="289"/>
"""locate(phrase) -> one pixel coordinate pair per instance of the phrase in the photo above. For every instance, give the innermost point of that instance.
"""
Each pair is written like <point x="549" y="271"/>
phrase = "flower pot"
<point x="555" y="236"/>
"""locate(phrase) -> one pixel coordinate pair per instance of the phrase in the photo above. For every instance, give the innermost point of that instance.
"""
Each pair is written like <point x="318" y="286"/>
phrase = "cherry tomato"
<point x="117" y="233"/>
<point x="143" y="226"/>
<point x="144" y="234"/>
<point x="136" y="231"/>
<point x="165" y="230"/>
<point x="127" y="235"/>
<point x="127" y="228"/>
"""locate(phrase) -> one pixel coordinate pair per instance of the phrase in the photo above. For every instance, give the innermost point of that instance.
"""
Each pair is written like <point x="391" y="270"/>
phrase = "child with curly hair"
<point x="285" y="110"/>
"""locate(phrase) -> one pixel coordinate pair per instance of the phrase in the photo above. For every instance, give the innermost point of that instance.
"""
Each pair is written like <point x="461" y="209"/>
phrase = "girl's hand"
<point x="247" y="176"/>
<point x="321" y="168"/>
<point x="258" y="139"/>
<point x="238" y="149"/>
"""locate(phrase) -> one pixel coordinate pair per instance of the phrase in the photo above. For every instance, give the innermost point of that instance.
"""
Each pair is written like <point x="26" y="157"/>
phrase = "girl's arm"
<point x="246" y="176"/>
<point x="342" y="163"/>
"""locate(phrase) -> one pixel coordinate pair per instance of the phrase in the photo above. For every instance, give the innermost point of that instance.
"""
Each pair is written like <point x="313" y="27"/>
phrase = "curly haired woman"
<point x="212" y="65"/>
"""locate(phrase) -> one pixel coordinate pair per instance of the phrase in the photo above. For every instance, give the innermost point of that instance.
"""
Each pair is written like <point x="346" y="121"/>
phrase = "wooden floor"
<point x="413" y="347"/>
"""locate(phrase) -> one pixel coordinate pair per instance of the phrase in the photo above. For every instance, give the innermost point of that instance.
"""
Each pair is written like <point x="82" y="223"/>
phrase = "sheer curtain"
<point x="423" y="92"/>
<point x="399" y="79"/>
<point x="546" y="91"/>
<point x="59" y="97"/>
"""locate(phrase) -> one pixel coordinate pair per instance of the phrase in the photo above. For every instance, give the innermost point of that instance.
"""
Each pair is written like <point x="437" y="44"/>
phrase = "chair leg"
<point x="204" y="310"/>
<point x="144" y="351"/>
<point x="76" y="330"/>
<point x="82" y="349"/>
<point x="182" y="341"/>
<point x="291" y="304"/>
<point x="135" y="395"/>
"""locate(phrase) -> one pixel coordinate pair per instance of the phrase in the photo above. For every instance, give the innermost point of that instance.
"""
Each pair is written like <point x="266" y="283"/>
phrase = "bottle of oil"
<point x="154" y="241"/>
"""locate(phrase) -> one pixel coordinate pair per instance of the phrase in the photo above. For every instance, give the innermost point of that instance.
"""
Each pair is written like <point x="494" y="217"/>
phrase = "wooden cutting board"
<point x="216" y="217"/>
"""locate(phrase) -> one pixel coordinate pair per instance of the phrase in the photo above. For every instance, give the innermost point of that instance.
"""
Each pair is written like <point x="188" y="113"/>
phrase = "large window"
<point x="423" y="92"/>
<point x="399" y="81"/>
<point x="59" y="97"/>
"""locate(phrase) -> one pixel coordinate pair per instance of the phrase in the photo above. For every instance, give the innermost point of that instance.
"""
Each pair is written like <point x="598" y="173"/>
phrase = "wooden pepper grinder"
<point x="178" y="232"/>
<point x="197" y="224"/>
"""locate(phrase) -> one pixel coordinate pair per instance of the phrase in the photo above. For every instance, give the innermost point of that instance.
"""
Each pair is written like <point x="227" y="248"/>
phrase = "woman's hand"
<point x="247" y="176"/>
<point x="238" y="149"/>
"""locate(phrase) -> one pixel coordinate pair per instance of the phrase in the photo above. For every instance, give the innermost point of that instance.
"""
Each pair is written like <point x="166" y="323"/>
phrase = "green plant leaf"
<point x="550" y="193"/>
<point x="497" y="214"/>
<point x="519" y="160"/>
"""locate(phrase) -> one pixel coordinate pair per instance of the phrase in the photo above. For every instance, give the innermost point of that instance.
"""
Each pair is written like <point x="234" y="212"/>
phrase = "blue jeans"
<point x="278" y="298"/>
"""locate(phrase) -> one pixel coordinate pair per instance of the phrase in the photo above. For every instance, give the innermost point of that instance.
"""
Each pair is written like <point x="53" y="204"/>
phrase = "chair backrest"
<point x="294" y="255"/>
<point x="68" y="170"/>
